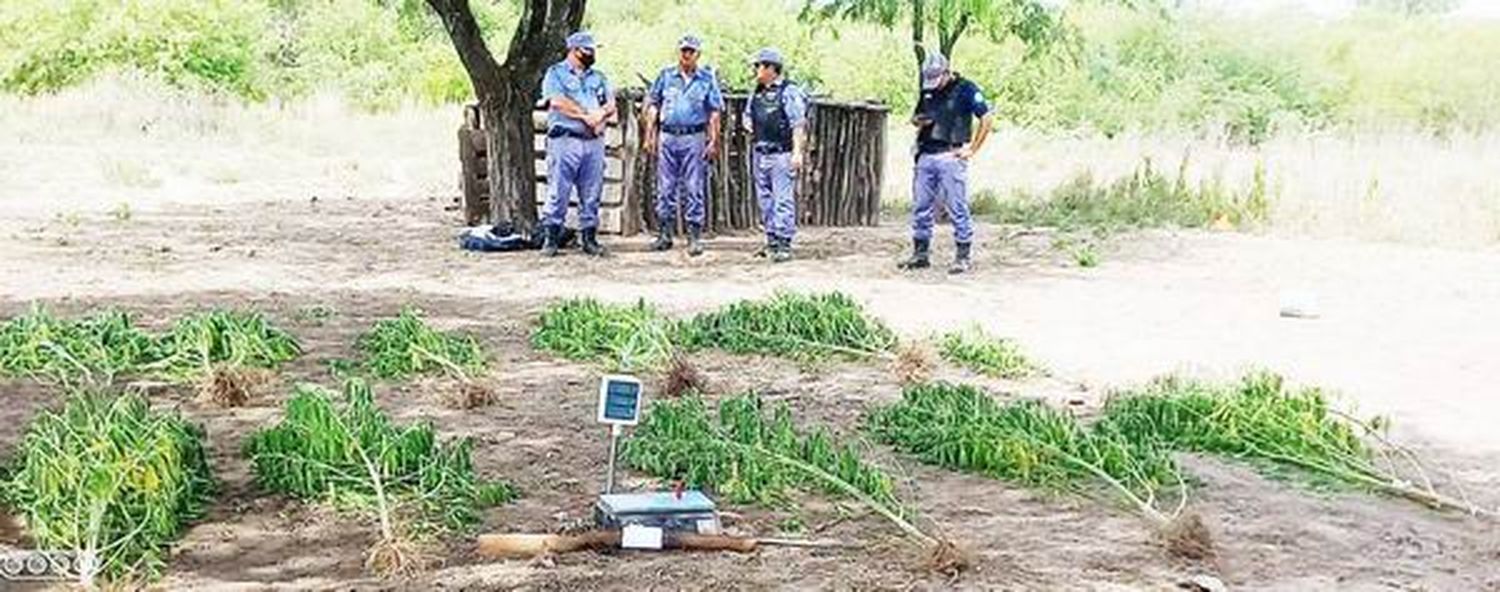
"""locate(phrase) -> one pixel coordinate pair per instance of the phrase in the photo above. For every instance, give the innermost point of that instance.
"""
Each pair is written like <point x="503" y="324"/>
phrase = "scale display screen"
<point x="619" y="400"/>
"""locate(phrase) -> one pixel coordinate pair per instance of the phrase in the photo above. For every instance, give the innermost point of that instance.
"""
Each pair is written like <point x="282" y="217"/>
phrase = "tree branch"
<point x="468" y="41"/>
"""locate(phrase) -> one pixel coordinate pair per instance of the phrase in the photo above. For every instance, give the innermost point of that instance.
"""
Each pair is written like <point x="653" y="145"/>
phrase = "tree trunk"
<point x="918" y="25"/>
<point x="507" y="93"/>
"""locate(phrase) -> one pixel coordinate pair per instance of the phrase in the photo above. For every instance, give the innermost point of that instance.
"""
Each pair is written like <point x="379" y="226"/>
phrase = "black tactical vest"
<point x="768" y="117"/>
<point x="952" y="122"/>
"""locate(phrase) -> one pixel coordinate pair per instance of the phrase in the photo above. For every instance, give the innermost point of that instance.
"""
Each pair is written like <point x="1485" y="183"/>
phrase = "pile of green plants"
<point x="1261" y="419"/>
<point x="963" y="427"/>
<point x="349" y="452"/>
<point x="751" y="454"/>
<point x="746" y="452"/>
<point x="621" y="337"/>
<point x="100" y="347"/>
<point x="92" y="349"/>
<point x="802" y="326"/>
<point x="406" y="346"/>
<point x="238" y="339"/>
<point x="106" y="475"/>
<point x="981" y="352"/>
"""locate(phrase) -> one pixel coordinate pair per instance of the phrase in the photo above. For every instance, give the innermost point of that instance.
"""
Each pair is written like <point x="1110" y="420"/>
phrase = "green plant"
<point x="751" y="456"/>
<point x="1144" y="199"/>
<point x="407" y="345"/>
<point x="962" y="427"/>
<point x="624" y="337"/>
<point x="94" y="349"/>
<point x="353" y="455"/>
<point x="1261" y="419"/>
<point x="109" y="477"/>
<point x="793" y="325"/>
<point x="977" y="350"/>
<point x="237" y="339"/>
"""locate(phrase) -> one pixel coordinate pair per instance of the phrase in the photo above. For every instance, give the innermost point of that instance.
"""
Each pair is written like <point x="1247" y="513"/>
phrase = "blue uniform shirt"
<point x="685" y="101"/>
<point x="588" y="88"/>
<point x="792" y="100"/>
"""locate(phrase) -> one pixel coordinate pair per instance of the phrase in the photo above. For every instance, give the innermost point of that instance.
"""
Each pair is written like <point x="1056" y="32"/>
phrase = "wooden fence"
<point x="839" y="184"/>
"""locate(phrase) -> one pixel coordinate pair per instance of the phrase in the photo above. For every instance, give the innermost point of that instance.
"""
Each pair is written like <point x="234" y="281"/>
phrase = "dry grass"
<point x="125" y="139"/>
<point x="1386" y="186"/>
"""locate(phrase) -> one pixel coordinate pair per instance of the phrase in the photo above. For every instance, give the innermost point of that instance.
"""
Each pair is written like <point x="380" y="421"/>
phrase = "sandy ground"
<point x="1405" y="331"/>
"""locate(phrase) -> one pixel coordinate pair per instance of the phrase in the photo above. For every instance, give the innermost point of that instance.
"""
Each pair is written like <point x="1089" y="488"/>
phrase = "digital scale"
<point x="643" y="517"/>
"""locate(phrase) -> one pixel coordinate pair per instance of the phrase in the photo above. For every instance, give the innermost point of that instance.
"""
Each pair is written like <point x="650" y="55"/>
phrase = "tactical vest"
<point x="952" y="122"/>
<point x="769" y="119"/>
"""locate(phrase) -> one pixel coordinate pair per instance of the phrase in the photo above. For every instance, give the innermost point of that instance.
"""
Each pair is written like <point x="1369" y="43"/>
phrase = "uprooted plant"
<point x="962" y="427"/>
<point x="207" y="348"/>
<point x="621" y="337"/>
<point x="353" y="456"/>
<point x="406" y="346"/>
<point x="108" y="478"/>
<point x="794" y="325"/>
<point x="90" y="350"/>
<point x="753" y="455"/>
<point x="981" y="352"/>
<point x="1260" y="418"/>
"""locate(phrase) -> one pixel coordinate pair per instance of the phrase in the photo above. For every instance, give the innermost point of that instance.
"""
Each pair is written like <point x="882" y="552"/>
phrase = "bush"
<point x="1144" y="199"/>
<point x="109" y="476"/>
<point x="233" y="338"/>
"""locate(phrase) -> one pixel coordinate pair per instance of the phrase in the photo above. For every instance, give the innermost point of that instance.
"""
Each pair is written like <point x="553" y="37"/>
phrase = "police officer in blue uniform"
<point x="581" y="102"/>
<point x="686" y="100"/>
<point x="776" y="117"/>
<point x="945" y="142"/>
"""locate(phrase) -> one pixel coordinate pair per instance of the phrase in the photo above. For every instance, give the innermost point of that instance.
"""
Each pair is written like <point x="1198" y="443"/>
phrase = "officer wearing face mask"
<point x="945" y="142"/>
<point x="776" y="116"/>
<point x="686" y="100"/>
<point x="581" y="102"/>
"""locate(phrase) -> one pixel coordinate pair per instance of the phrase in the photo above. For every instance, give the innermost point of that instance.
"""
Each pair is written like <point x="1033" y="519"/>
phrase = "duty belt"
<point x="771" y="148"/>
<point x="562" y="132"/>
<point x="684" y="130"/>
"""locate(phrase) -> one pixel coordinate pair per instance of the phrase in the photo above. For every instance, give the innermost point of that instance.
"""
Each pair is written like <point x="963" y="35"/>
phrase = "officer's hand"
<point x="964" y="153"/>
<point x="648" y="144"/>
<point x="711" y="150"/>
<point x="921" y="120"/>
<point x="796" y="161"/>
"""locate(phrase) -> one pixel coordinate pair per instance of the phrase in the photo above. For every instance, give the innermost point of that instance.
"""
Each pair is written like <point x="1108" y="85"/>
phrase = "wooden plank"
<point x="475" y="199"/>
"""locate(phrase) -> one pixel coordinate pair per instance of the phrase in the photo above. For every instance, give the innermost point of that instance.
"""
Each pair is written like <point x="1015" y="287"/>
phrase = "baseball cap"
<point x="933" y="69"/>
<point x="767" y="55"/>
<point x="690" y="42"/>
<point x="582" y="40"/>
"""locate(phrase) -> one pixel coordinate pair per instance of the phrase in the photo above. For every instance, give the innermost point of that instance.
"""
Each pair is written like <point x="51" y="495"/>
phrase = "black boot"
<point x="663" y="240"/>
<point x="920" y="247"/>
<point x="591" y="244"/>
<point x="550" y="238"/>
<point x="961" y="261"/>
<point x="782" y="251"/>
<point x="768" y="248"/>
<point x="695" y="240"/>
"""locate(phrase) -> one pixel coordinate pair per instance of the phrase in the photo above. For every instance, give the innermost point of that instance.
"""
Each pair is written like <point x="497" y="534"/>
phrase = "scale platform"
<point x="688" y="511"/>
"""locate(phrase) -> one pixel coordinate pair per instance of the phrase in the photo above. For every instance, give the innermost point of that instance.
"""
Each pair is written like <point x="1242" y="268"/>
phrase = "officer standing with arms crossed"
<point x="944" y="117"/>
<point x="776" y="116"/>
<point x="686" y="100"/>
<point x="581" y="102"/>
